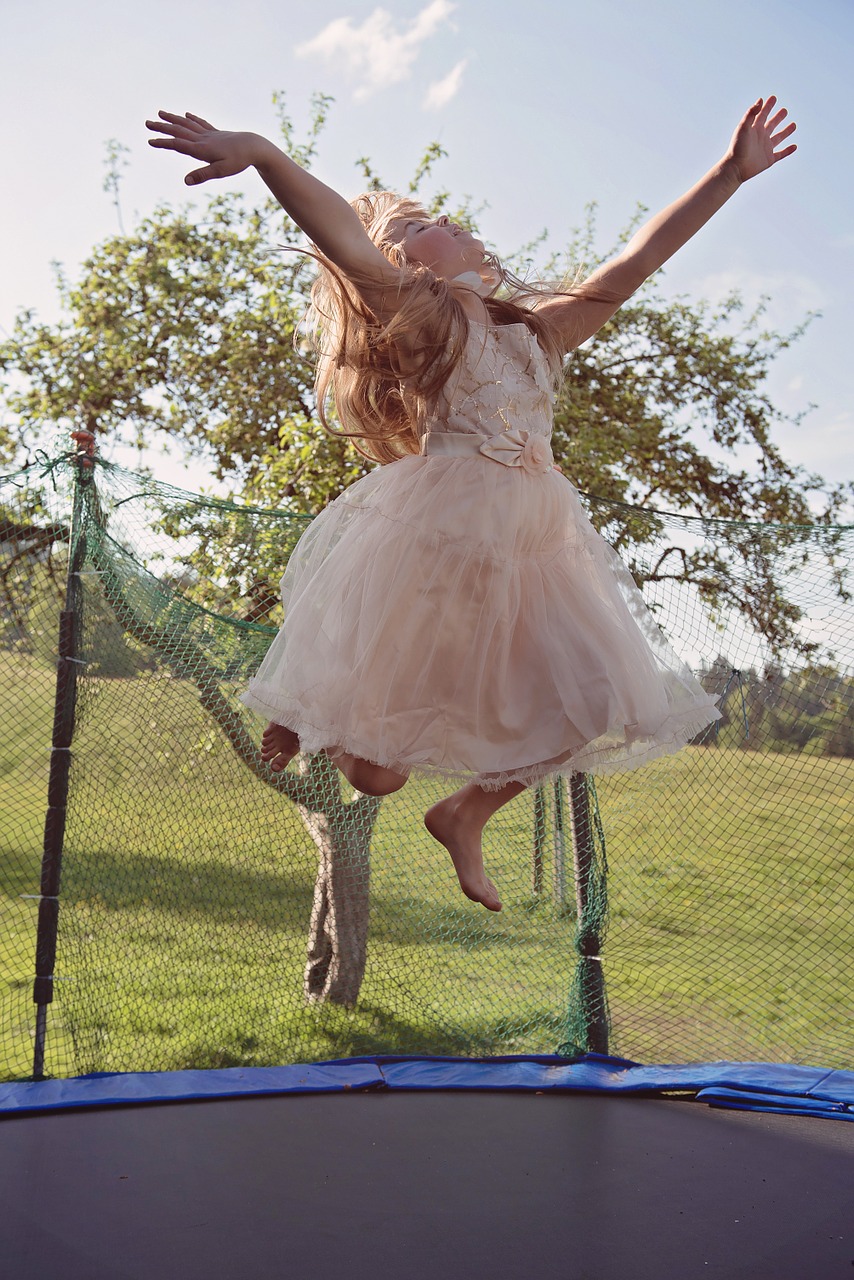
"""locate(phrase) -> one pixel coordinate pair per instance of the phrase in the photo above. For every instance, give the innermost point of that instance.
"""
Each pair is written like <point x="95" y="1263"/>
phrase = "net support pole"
<point x="559" y="866"/>
<point x="539" y="841"/>
<point x="65" y="704"/>
<point x="590" y="890"/>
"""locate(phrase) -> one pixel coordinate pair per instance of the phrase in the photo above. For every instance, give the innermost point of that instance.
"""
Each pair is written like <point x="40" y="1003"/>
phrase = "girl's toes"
<point x="490" y="899"/>
<point x="278" y="746"/>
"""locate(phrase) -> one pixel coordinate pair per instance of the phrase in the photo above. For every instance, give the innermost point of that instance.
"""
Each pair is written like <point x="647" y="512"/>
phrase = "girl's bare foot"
<point x="278" y="746"/>
<point x="454" y="825"/>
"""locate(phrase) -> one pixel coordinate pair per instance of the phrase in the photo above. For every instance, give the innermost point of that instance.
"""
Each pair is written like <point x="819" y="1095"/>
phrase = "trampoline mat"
<point x="417" y="1185"/>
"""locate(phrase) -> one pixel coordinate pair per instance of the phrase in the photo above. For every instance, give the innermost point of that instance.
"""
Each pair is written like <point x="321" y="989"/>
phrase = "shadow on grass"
<point x="324" y="1033"/>
<point x="405" y="920"/>
<point x="112" y="880"/>
<point x="118" y="881"/>
<point x="19" y="872"/>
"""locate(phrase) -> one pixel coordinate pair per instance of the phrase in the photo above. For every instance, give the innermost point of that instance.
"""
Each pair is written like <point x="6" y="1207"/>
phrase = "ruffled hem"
<point x="603" y="756"/>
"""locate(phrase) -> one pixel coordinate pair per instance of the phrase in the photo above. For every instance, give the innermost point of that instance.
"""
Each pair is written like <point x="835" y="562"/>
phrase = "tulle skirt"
<point x="452" y="616"/>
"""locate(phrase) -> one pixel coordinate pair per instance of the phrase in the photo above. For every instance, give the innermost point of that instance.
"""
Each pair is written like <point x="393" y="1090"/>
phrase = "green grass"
<point x="187" y="889"/>
<point x="733" y="910"/>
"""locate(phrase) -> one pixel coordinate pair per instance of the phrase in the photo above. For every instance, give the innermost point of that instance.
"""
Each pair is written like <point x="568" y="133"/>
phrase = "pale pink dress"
<point x="456" y="613"/>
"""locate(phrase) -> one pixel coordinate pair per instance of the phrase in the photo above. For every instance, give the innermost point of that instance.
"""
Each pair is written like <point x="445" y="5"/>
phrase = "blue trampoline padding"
<point x="754" y="1085"/>
<point x="742" y="1100"/>
<point x="116" y="1088"/>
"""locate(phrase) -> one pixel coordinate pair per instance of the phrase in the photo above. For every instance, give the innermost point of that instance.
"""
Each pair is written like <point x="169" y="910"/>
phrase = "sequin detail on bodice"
<point x="502" y="384"/>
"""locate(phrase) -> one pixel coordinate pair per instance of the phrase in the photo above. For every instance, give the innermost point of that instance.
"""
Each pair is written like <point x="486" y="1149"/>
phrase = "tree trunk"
<point x="338" y="935"/>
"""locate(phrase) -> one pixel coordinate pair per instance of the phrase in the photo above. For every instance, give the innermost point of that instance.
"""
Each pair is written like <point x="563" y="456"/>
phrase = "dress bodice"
<point x="502" y="382"/>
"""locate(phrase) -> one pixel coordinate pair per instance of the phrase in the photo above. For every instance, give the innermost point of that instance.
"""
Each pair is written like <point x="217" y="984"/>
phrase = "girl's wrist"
<point x="730" y="171"/>
<point x="262" y="150"/>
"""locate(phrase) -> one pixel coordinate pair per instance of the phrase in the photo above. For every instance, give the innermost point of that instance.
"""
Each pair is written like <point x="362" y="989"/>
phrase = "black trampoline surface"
<point x="417" y="1185"/>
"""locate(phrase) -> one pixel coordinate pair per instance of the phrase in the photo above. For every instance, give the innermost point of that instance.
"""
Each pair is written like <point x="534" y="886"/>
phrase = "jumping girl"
<point x="454" y="612"/>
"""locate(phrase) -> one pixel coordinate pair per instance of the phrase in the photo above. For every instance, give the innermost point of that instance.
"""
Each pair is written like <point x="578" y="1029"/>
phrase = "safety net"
<point x="169" y="903"/>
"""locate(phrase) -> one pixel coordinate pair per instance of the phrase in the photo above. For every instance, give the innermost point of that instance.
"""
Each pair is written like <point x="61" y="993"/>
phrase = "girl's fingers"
<point x="767" y="108"/>
<point x="174" y="130"/>
<point x="783" y="134"/>
<point x="173" y="144"/>
<point x="749" y="115"/>
<point x="198" y="120"/>
<point x="172" y="117"/>
<point x="187" y="124"/>
<point x="196" y="176"/>
<point x="182" y="145"/>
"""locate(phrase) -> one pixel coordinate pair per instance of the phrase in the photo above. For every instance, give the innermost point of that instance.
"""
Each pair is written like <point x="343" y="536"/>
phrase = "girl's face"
<point x="440" y="245"/>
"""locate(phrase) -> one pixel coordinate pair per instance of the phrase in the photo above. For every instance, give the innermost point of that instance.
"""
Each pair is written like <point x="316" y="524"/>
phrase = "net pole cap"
<point x="85" y="441"/>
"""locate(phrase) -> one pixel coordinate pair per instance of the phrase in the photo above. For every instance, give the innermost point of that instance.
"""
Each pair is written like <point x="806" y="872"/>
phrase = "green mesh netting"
<point x="183" y="907"/>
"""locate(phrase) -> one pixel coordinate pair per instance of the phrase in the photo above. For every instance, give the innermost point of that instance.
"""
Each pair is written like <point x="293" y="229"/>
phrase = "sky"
<point x="542" y="108"/>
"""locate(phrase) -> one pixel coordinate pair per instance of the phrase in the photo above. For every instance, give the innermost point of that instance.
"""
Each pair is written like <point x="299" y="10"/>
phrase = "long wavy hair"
<point x="379" y="403"/>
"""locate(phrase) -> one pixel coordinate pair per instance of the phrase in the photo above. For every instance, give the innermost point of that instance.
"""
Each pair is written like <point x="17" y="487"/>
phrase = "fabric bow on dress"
<point x="520" y="448"/>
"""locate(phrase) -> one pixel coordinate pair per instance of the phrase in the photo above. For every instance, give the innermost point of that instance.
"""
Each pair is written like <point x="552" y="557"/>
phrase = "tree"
<point x="186" y="328"/>
<point x="189" y="328"/>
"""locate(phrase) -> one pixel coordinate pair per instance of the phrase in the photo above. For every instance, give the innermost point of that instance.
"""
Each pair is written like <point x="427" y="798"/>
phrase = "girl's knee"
<point x="373" y="779"/>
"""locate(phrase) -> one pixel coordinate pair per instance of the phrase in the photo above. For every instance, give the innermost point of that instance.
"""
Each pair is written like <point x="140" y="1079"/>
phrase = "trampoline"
<point x="189" y="920"/>
<point x="485" y="1179"/>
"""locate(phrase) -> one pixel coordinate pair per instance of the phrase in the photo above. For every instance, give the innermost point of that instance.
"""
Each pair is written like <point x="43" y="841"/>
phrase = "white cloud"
<point x="786" y="290"/>
<point x="442" y="91"/>
<point x="379" y="52"/>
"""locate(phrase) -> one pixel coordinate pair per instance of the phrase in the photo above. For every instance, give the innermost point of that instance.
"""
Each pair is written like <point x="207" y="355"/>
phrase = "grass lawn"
<point x="187" y="888"/>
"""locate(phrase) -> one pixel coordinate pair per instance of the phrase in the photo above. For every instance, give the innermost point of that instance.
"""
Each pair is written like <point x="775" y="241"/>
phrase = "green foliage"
<point x="31" y="575"/>
<point x="33" y="567"/>
<point x="189" y="329"/>
<point x="114" y="163"/>
<point x="806" y="709"/>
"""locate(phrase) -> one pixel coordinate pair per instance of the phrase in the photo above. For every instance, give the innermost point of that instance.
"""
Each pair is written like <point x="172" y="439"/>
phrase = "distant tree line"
<point x="805" y="708"/>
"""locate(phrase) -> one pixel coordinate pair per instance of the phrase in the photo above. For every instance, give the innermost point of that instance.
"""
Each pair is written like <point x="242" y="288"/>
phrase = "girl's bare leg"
<point x="458" y="823"/>
<point x="279" y="746"/>
<point x="370" y="779"/>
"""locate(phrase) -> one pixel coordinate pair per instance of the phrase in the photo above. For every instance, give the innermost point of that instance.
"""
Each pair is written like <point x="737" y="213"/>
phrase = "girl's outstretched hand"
<point x="755" y="141"/>
<point x="225" y="153"/>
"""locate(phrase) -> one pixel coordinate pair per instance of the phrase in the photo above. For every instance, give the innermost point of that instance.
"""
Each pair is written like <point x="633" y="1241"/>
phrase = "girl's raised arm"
<point x="325" y="216"/>
<point x="754" y="148"/>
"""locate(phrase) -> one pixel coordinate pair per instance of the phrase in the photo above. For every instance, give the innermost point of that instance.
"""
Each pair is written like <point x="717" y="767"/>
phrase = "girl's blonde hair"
<point x="380" y="404"/>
